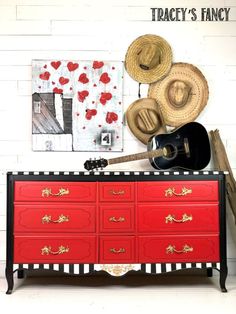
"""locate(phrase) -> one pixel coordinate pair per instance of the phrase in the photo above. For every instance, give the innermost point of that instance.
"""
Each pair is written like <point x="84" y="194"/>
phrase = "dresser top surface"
<point x="115" y="175"/>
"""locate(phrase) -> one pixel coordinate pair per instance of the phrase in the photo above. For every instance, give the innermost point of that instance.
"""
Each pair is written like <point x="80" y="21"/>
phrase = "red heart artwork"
<point x="90" y="113"/>
<point x="104" y="78"/>
<point x="111" y="117"/>
<point x="57" y="90"/>
<point x="83" y="78"/>
<point x="72" y="66"/>
<point x="82" y="95"/>
<point x="63" y="80"/>
<point x="55" y="64"/>
<point x="98" y="64"/>
<point x="45" y="76"/>
<point x="105" y="97"/>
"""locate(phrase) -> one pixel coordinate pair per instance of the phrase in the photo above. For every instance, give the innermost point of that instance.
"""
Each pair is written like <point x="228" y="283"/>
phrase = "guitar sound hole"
<point x="170" y="151"/>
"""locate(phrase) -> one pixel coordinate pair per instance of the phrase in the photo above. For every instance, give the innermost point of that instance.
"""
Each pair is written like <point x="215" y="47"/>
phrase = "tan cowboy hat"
<point x="148" y="58"/>
<point x="181" y="95"/>
<point x="145" y="119"/>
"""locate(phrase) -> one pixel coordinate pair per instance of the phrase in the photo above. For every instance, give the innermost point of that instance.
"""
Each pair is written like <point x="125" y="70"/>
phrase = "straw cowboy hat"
<point x="181" y="95"/>
<point x="148" y="58"/>
<point x="145" y="119"/>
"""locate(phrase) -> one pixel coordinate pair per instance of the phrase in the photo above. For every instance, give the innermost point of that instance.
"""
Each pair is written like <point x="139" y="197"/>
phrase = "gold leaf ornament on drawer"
<point x="171" y="218"/>
<point x="121" y="250"/>
<point x="47" y="250"/>
<point x="120" y="192"/>
<point x="171" y="191"/>
<point x="171" y="249"/>
<point x="48" y="192"/>
<point x="114" y="219"/>
<point x="48" y="219"/>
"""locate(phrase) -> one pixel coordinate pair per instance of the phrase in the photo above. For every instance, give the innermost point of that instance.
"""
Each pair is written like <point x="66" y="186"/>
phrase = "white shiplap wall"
<point x="90" y="29"/>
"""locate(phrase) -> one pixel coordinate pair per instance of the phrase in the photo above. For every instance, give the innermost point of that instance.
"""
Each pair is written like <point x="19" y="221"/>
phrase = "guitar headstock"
<point x="95" y="164"/>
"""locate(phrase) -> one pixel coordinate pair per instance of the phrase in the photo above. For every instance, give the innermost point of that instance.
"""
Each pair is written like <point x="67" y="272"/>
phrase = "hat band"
<point x="144" y="67"/>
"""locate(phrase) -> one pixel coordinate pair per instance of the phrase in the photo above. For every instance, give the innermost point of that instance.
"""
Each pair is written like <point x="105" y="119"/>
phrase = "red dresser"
<point x="116" y="222"/>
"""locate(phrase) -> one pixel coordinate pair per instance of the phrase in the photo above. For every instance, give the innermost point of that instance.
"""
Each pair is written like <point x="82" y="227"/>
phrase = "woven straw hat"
<point x="181" y="95"/>
<point x="145" y="119"/>
<point x="148" y="59"/>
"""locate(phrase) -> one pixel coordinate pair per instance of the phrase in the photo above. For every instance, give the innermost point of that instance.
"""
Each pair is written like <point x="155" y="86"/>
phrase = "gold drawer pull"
<point x="47" y="219"/>
<point x="171" y="192"/>
<point x="48" y="250"/>
<point x="170" y="218"/>
<point x="171" y="249"/>
<point x="121" y="192"/>
<point x="114" y="219"/>
<point x="121" y="250"/>
<point x="48" y="192"/>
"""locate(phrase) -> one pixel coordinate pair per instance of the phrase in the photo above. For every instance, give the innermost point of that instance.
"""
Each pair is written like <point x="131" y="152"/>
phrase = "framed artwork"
<point x="77" y="105"/>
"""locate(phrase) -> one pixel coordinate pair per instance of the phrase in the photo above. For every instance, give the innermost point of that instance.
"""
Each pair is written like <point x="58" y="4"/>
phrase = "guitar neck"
<point x="138" y="156"/>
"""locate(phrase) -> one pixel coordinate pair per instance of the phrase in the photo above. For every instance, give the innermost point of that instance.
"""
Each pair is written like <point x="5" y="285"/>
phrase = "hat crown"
<point x="147" y="121"/>
<point x="149" y="56"/>
<point x="178" y="93"/>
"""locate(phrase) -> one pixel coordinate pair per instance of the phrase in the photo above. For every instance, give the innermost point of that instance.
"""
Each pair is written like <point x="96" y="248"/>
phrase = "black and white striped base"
<point x="116" y="269"/>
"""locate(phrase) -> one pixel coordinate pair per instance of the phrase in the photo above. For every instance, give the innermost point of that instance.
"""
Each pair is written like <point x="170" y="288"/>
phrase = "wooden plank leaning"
<point x="221" y="163"/>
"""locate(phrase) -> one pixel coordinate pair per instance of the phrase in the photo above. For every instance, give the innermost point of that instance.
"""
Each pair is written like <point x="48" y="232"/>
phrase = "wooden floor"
<point x="128" y="294"/>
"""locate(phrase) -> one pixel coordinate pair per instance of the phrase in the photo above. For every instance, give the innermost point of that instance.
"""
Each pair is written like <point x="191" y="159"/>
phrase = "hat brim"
<point x="174" y="116"/>
<point x="148" y="76"/>
<point x="133" y="117"/>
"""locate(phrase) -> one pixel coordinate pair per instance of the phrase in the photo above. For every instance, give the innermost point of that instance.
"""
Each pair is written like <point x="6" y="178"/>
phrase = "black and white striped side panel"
<point x="168" y="267"/>
<point x="66" y="268"/>
<point x="80" y="269"/>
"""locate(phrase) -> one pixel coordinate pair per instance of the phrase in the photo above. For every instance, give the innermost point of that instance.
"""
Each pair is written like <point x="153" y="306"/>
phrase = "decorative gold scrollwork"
<point x="46" y="250"/>
<point x="114" y="219"/>
<point x="47" y="219"/>
<point x="171" y="218"/>
<point x="113" y="250"/>
<point x="171" y="192"/>
<point x="48" y="192"/>
<point x="120" y="192"/>
<point x="171" y="249"/>
<point x="117" y="269"/>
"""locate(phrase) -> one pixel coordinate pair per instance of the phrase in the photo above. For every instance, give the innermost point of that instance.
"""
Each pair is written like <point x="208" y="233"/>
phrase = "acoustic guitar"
<point x="187" y="147"/>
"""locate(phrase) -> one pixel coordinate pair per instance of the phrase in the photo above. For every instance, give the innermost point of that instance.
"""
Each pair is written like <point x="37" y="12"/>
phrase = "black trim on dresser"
<point x="114" y="269"/>
<point x="223" y="247"/>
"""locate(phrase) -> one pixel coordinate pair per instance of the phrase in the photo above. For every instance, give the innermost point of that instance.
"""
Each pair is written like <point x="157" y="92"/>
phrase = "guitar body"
<point x="187" y="147"/>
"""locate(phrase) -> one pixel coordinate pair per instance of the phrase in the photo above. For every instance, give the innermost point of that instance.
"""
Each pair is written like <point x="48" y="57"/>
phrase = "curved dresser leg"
<point x="223" y="275"/>
<point x="209" y="272"/>
<point x="20" y="274"/>
<point x="10" y="280"/>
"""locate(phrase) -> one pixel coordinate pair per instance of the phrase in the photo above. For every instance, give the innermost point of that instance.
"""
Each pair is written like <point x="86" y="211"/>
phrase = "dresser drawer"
<point x="117" y="249"/>
<point x="54" y="218"/>
<point x="116" y="191"/>
<point x="178" y="218"/>
<point x="116" y="218"/>
<point x="55" y="249"/>
<point x="55" y="191"/>
<point x="177" y="191"/>
<point x="158" y="249"/>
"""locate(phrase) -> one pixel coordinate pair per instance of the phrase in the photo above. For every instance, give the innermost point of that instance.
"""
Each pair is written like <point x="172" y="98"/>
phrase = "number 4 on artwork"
<point x="105" y="138"/>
